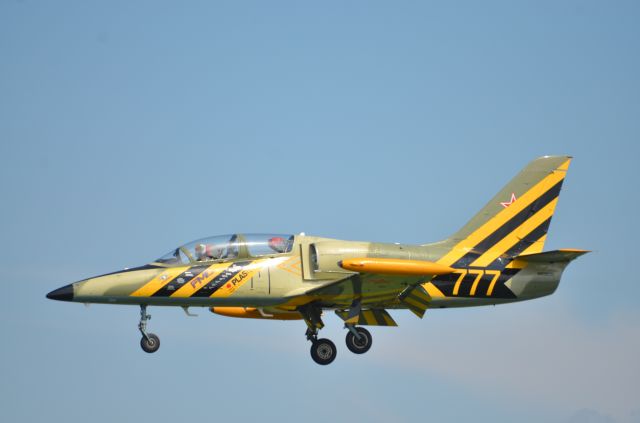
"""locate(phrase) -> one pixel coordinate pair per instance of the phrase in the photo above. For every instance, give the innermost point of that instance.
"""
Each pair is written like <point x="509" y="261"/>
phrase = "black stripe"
<point x="464" y="290"/>
<point x="450" y="277"/>
<point x="416" y="309"/>
<point x="419" y="292"/>
<point x="483" y="285"/>
<point x="379" y="317"/>
<point x="221" y="279"/>
<point x="178" y="282"/>
<point x="418" y="300"/>
<point x="445" y="285"/>
<point x="509" y="226"/>
<point x="500" y="290"/>
<point x="507" y="274"/>
<point x="533" y="236"/>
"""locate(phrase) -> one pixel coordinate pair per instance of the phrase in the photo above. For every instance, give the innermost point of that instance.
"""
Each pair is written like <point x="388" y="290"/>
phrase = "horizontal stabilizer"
<point x="386" y="266"/>
<point x="376" y="317"/>
<point x="554" y="256"/>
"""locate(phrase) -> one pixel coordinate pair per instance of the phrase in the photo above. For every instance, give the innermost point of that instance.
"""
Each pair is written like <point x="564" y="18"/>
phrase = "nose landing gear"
<point x="323" y="351"/>
<point x="149" y="342"/>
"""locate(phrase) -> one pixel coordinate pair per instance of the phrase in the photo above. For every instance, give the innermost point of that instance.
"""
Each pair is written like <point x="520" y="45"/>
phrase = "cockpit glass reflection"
<point x="229" y="247"/>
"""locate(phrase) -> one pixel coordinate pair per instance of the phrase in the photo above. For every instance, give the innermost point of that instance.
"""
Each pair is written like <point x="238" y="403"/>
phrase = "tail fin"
<point x="514" y="222"/>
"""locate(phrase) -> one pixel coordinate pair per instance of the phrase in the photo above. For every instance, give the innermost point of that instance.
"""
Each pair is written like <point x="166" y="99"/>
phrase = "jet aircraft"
<point x="496" y="258"/>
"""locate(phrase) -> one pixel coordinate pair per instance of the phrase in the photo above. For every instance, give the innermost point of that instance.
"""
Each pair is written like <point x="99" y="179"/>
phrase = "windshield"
<point x="229" y="247"/>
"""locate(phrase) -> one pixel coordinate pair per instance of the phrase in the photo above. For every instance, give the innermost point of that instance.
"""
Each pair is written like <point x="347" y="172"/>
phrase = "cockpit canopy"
<point x="229" y="247"/>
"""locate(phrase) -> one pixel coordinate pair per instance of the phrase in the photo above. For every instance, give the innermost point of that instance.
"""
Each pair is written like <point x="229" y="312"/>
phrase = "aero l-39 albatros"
<point x="495" y="258"/>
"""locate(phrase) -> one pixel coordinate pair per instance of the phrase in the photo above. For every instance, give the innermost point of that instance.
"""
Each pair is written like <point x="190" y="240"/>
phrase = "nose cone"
<point x="62" y="294"/>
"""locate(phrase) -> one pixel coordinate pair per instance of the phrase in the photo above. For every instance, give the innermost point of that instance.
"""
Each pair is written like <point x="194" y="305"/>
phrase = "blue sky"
<point x="127" y="128"/>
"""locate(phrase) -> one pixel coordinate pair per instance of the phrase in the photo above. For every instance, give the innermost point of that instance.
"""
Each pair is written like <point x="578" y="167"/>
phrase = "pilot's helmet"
<point x="201" y="250"/>
<point x="278" y="244"/>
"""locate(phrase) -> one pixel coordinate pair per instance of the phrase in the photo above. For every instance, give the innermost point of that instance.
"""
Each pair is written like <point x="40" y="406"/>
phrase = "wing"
<point x="379" y="283"/>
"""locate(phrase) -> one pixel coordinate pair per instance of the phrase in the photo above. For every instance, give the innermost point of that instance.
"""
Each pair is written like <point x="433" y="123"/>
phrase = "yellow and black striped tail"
<point x="514" y="222"/>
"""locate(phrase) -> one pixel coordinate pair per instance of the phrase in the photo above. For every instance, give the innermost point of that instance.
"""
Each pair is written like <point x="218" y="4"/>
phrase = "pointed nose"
<point x="62" y="294"/>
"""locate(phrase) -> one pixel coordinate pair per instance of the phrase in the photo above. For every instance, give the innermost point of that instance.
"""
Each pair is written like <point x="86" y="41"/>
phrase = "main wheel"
<point x="151" y="344"/>
<point x="323" y="351"/>
<point x="359" y="346"/>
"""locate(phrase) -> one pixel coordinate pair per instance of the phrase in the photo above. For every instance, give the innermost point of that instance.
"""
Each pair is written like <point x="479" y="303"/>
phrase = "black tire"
<point x="359" y="346"/>
<point x="151" y="344"/>
<point x="323" y="351"/>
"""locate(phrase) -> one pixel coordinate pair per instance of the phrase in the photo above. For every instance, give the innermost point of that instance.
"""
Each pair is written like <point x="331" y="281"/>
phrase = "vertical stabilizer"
<point x="515" y="221"/>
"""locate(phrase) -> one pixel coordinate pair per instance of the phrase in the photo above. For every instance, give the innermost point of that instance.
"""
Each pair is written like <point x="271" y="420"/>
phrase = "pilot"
<point x="201" y="252"/>
<point x="278" y="244"/>
<point x="216" y="253"/>
<point x="233" y="249"/>
<point x="209" y="252"/>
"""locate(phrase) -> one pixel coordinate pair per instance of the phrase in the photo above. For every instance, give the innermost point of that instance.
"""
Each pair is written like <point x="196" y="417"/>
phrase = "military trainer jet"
<point x="495" y="258"/>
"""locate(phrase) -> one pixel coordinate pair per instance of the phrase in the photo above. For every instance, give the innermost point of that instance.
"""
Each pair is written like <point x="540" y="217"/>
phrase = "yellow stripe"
<point x="155" y="284"/>
<point x="456" y="287"/>
<point x="238" y="280"/>
<point x="354" y="320"/>
<point x="564" y="166"/>
<point x="388" y="320"/>
<point x="503" y="216"/>
<point x="418" y="300"/>
<point x="190" y="288"/>
<point x="514" y="237"/>
<point x="365" y="316"/>
<point x="432" y="290"/>
<point x="414" y="303"/>
<point x="368" y="317"/>
<point x="536" y="247"/>
<point x="417" y="292"/>
<point x="475" y="283"/>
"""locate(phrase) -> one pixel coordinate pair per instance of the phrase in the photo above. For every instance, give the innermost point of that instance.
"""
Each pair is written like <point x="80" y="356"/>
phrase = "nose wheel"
<point x="150" y="341"/>
<point x="323" y="351"/>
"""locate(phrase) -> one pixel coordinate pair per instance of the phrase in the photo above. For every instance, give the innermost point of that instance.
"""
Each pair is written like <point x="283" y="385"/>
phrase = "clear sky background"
<point x="127" y="128"/>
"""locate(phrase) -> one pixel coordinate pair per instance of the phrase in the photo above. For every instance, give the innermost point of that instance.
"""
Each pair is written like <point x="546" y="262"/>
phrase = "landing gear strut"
<point x="323" y="351"/>
<point x="149" y="342"/>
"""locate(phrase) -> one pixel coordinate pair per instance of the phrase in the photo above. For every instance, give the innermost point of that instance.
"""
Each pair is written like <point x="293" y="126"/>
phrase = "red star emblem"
<point x="510" y="202"/>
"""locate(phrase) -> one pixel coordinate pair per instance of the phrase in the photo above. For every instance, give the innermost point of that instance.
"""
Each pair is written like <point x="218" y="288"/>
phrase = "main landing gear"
<point x="358" y="340"/>
<point x="149" y="342"/>
<point x="323" y="351"/>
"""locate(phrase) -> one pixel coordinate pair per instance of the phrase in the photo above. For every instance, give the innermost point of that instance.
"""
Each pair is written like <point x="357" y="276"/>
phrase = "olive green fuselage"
<point x="310" y="272"/>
